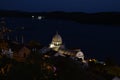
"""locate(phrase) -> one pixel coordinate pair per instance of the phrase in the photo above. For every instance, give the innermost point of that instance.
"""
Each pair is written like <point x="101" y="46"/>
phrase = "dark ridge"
<point x="106" y="18"/>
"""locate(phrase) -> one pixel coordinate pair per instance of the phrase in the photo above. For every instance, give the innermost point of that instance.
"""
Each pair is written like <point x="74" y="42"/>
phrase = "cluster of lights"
<point x="96" y="61"/>
<point x="39" y="17"/>
<point x="92" y="60"/>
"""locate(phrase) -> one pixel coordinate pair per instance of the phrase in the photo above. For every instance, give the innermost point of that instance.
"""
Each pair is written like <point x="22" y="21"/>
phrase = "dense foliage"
<point x="46" y="67"/>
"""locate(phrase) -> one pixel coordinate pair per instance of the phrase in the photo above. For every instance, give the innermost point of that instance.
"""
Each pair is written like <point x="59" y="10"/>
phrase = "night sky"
<point x="61" y="5"/>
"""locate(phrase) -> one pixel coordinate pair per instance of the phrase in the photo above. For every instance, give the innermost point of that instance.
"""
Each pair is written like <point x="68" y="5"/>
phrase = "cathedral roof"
<point x="57" y="38"/>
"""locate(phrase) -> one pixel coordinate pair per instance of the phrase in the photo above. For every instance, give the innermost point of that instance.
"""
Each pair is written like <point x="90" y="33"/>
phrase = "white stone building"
<point x="57" y="45"/>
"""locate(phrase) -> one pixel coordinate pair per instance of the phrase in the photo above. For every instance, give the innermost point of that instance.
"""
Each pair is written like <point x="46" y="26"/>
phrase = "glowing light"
<point x="39" y="17"/>
<point x="33" y="16"/>
<point x="90" y="60"/>
<point x="51" y="46"/>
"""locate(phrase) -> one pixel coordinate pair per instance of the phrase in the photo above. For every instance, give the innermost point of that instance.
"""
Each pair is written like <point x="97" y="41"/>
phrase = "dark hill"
<point x="110" y="18"/>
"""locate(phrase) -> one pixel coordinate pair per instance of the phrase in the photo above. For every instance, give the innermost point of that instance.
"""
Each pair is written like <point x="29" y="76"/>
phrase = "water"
<point x="96" y="41"/>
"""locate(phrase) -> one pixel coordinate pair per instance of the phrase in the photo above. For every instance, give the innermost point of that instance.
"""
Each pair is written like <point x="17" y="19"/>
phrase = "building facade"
<point x="56" y="42"/>
<point x="57" y="45"/>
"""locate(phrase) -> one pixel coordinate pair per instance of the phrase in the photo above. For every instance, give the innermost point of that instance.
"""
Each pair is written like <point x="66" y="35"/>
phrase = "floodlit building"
<point x="56" y="42"/>
<point x="57" y="45"/>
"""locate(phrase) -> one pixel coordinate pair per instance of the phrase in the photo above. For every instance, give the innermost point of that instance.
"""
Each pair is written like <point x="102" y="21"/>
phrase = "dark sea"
<point x="96" y="41"/>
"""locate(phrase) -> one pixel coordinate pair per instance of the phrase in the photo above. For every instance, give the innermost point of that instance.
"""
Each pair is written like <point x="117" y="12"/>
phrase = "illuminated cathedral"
<point x="56" y="42"/>
<point x="57" y="45"/>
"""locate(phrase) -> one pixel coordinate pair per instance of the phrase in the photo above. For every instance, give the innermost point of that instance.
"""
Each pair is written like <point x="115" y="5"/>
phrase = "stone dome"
<point x="57" y="38"/>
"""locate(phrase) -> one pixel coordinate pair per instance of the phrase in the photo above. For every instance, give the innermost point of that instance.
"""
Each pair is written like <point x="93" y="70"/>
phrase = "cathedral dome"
<point x="57" y="38"/>
<point x="56" y="42"/>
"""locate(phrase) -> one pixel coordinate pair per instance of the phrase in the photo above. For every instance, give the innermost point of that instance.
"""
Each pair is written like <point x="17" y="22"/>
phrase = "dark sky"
<point x="61" y="5"/>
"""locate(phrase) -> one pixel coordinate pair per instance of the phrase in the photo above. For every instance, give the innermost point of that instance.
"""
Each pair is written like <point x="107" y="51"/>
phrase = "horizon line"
<point x="61" y="11"/>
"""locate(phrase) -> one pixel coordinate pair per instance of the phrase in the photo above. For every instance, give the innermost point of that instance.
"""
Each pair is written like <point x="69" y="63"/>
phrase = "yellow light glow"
<point x="90" y="60"/>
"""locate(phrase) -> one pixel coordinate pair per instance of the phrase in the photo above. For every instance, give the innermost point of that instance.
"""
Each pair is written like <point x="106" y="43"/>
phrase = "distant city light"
<point x="33" y="16"/>
<point x="39" y="17"/>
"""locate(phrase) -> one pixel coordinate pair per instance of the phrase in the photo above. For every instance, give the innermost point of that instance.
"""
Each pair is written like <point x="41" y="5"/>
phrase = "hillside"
<point x="110" y="18"/>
